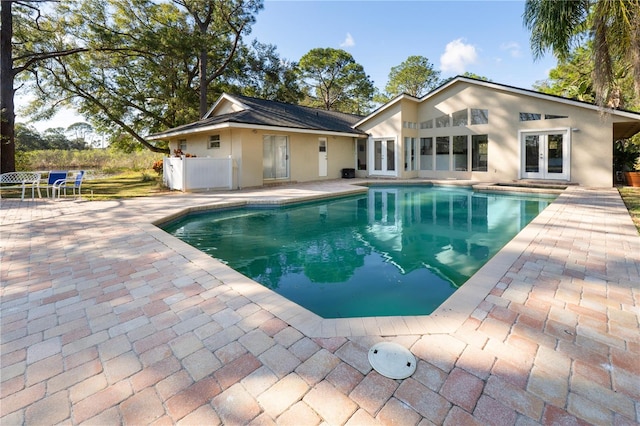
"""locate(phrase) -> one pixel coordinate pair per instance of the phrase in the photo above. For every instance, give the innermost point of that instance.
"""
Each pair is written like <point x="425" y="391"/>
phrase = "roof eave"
<point x="219" y="126"/>
<point x="384" y="107"/>
<point x="227" y="97"/>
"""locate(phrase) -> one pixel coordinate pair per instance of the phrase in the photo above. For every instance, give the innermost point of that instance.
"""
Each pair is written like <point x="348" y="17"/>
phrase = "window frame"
<point x="457" y="120"/>
<point x="214" y="142"/>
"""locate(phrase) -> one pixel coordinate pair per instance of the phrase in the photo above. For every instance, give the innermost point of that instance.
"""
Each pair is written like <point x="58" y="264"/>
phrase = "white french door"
<point x="384" y="157"/>
<point x="545" y="155"/>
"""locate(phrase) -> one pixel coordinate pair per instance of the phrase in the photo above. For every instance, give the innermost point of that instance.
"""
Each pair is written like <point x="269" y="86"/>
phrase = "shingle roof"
<point x="261" y="112"/>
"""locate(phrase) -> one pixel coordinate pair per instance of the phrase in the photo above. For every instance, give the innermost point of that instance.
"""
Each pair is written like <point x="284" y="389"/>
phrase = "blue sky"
<point x="484" y="37"/>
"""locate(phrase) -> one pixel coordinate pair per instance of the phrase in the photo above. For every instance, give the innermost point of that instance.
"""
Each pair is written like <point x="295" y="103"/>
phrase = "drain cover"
<point x="392" y="360"/>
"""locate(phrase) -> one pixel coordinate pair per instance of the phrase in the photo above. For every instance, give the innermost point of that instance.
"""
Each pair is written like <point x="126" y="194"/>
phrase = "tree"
<point x="476" y="76"/>
<point x="332" y="79"/>
<point x="13" y="63"/>
<point x="258" y="71"/>
<point x="219" y="26"/>
<point x="415" y="76"/>
<point x="148" y="64"/>
<point x="80" y="132"/>
<point x="613" y="26"/>
<point x="573" y="78"/>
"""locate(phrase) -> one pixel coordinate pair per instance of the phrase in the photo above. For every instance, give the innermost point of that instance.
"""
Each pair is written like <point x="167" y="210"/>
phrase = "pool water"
<point x="399" y="250"/>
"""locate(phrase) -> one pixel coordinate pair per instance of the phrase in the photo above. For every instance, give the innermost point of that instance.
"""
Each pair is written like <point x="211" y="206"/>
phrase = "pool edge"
<point x="447" y="318"/>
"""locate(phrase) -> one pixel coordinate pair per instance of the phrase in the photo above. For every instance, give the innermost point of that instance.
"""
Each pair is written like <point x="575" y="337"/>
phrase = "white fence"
<point x="193" y="173"/>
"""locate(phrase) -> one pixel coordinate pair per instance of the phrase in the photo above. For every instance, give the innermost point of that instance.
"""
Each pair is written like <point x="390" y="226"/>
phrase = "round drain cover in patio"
<point x="392" y="360"/>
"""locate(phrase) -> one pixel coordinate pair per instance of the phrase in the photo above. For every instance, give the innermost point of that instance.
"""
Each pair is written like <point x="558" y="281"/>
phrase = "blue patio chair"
<point x="54" y="176"/>
<point x="75" y="184"/>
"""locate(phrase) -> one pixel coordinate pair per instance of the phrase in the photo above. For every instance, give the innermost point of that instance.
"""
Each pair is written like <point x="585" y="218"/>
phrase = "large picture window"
<point x="459" y="118"/>
<point x="443" y="121"/>
<point x="460" y="153"/>
<point x="362" y="154"/>
<point x="409" y="154"/>
<point x="479" y="153"/>
<point x="479" y="116"/>
<point x="426" y="153"/>
<point x="442" y="153"/>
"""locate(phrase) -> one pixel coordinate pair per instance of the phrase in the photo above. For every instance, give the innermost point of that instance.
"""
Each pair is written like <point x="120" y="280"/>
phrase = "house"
<point x="465" y="129"/>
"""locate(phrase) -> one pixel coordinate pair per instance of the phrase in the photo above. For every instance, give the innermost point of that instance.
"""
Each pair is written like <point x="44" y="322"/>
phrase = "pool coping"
<point x="447" y="318"/>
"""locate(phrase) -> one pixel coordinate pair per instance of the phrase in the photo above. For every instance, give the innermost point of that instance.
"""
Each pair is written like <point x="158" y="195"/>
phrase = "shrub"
<point x="158" y="167"/>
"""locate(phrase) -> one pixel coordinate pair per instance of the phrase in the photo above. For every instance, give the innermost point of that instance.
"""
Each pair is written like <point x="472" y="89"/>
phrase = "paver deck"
<point x="106" y="320"/>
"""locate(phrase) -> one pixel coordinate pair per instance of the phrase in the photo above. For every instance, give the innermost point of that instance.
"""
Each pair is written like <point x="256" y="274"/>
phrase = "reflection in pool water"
<point x="393" y="251"/>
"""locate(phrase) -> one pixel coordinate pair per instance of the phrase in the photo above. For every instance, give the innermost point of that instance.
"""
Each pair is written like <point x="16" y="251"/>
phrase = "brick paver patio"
<point x="106" y="320"/>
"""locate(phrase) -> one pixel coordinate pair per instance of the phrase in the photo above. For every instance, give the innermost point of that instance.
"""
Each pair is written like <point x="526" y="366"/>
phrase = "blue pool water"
<point x="398" y="250"/>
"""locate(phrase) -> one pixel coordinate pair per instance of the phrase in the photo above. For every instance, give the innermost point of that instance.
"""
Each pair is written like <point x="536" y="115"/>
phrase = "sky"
<point x="487" y="38"/>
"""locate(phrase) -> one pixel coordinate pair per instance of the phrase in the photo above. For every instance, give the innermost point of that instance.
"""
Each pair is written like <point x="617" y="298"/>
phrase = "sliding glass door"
<point x="275" y="157"/>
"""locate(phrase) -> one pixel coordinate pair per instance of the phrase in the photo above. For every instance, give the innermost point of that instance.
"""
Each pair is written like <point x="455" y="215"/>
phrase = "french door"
<point x="384" y="157"/>
<point x="275" y="157"/>
<point x="545" y="155"/>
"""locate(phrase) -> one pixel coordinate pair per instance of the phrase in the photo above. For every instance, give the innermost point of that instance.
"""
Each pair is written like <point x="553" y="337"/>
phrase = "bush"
<point x="93" y="159"/>
<point x="158" y="167"/>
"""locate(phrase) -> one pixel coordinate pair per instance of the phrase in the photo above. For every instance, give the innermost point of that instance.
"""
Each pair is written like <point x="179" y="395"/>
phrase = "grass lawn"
<point x="124" y="185"/>
<point x="631" y="198"/>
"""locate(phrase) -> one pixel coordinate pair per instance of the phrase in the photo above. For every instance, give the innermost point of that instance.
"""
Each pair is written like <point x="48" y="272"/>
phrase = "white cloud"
<point x="457" y="55"/>
<point x="348" y="41"/>
<point x="513" y="48"/>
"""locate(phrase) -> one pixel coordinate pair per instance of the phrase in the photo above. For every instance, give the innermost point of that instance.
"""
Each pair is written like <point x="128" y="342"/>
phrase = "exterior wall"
<point x="387" y="124"/>
<point x="591" y="145"/>
<point x="245" y="146"/>
<point x="409" y="115"/>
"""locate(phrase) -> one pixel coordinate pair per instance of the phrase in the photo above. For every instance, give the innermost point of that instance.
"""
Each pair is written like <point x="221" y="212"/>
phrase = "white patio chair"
<point x="74" y="184"/>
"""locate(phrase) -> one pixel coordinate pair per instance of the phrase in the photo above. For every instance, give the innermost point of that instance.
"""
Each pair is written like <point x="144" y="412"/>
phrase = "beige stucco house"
<point x="465" y="129"/>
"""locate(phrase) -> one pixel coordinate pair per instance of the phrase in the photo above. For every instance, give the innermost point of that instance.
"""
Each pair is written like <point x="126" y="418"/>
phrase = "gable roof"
<point x="504" y="88"/>
<point x="260" y="113"/>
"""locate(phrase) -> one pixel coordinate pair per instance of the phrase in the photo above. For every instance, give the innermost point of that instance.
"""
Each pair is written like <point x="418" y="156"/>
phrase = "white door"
<point x="322" y="157"/>
<point x="545" y="155"/>
<point x="384" y="157"/>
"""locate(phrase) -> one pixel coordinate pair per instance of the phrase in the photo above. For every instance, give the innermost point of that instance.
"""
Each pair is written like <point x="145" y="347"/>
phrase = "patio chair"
<point x="62" y="184"/>
<point x="54" y="176"/>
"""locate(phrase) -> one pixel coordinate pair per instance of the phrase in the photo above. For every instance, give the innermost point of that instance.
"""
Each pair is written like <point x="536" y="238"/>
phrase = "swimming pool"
<point x="398" y="250"/>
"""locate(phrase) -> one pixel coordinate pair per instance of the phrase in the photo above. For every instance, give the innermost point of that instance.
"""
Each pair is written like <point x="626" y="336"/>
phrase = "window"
<point x="182" y="145"/>
<point x="460" y="153"/>
<point x="409" y="125"/>
<point x="409" y="154"/>
<point x="460" y="118"/>
<point x="442" y="121"/>
<point x="442" y="153"/>
<point x="426" y="153"/>
<point x="479" y="153"/>
<point x="214" y="142"/>
<point x="362" y="154"/>
<point x="530" y="116"/>
<point x="479" y="116"/>
<point x="553" y="117"/>
<point x="426" y="124"/>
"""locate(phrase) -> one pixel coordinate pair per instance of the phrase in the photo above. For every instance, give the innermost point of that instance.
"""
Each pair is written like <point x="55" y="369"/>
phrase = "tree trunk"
<point x="7" y="109"/>
<point x="203" y="82"/>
